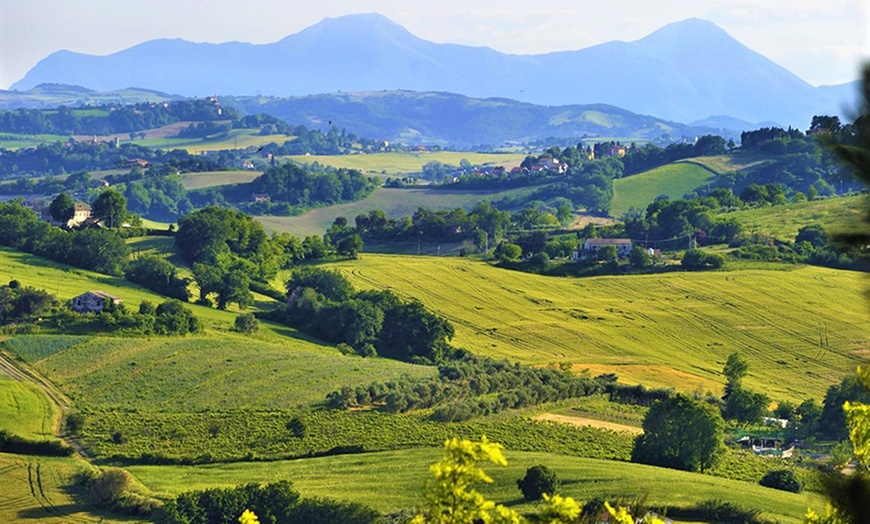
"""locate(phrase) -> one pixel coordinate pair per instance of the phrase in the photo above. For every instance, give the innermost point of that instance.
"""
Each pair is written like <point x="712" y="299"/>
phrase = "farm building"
<point x="93" y="301"/>
<point x="623" y="245"/>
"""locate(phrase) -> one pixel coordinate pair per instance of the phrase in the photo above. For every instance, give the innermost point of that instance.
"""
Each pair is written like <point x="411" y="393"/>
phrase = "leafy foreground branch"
<point x="451" y="498"/>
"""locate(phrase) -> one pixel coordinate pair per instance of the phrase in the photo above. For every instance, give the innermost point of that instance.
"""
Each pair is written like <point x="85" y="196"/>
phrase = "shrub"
<point x="75" y="422"/>
<point x="782" y="479"/>
<point x="246" y="323"/>
<point x="105" y="487"/>
<point x="538" y="480"/>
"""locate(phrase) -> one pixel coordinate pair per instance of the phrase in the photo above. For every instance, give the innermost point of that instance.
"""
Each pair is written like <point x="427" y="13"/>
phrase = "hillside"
<point x="671" y="329"/>
<point x="439" y="118"/>
<point x="837" y="215"/>
<point x="673" y="180"/>
<point x="393" y="480"/>
<point x="684" y="72"/>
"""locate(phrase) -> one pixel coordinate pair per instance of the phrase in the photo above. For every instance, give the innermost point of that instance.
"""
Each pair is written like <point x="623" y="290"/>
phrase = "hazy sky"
<point x="822" y="41"/>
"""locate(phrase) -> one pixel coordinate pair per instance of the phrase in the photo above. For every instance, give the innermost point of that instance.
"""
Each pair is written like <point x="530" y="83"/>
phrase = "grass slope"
<point x="673" y="180"/>
<point x="672" y="329"/>
<point x="38" y="489"/>
<point x="25" y="410"/>
<point x="389" y="481"/>
<point x="217" y="372"/>
<point x="837" y="215"/>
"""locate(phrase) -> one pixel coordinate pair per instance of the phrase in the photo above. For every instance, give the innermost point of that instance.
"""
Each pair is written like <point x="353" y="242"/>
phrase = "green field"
<point x="671" y="329"/>
<point x="837" y="215"/>
<point x="226" y="372"/>
<point x="394" y="202"/>
<point x="404" y="163"/>
<point x="17" y="141"/>
<point x="38" y="489"/>
<point x="25" y="410"/>
<point x="673" y="180"/>
<point x="392" y="480"/>
<point x="217" y="178"/>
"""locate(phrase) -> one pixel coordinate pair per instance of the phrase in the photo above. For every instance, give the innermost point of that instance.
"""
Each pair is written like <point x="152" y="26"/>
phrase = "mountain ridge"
<point x="685" y="71"/>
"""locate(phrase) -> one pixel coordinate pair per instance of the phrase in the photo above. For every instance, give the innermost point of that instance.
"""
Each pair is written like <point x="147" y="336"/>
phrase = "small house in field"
<point x="623" y="245"/>
<point x="93" y="301"/>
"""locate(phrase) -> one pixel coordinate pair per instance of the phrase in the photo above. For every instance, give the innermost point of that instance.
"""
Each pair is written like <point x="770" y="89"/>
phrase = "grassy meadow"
<point x="670" y="329"/>
<point x="195" y="373"/>
<point x="673" y="180"/>
<point x="392" y="480"/>
<point x="25" y="410"/>
<point x="837" y="215"/>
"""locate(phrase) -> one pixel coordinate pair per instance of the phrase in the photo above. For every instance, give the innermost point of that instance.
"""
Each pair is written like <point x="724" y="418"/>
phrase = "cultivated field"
<point x="837" y="215"/>
<point x="194" y="373"/>
<point x="217" y="178"/>
<point x="404" y="163"/>
<point x="392" y="480"/>
<point x="673" y="180"/>
<point x="671" y="329"/>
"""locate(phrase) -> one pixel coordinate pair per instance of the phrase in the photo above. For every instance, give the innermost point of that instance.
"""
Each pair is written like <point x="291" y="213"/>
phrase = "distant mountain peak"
<point x="691" y="29"/>
<point x="354" y="25"/>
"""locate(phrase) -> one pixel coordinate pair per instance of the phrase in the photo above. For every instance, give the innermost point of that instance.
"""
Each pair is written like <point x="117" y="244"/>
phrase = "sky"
<point x="821" y="41"/>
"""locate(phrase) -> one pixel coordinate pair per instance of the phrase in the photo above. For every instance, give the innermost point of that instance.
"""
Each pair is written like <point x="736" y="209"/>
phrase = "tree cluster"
<point x="160" y="275"/>
<point x="293" y="185"/>
<point x="324" y="304"/>
<point x="169" y="318"/>
<point x="272" y="503"/>
<point x="483" y="223"/>
<point x="108" y="119"/>
<point x="100" y="250"/>
<point x="19" y="303"/>
<point x="58" y="158"/>
<point x="669" y="223"/>
<point x="468" y="386"/>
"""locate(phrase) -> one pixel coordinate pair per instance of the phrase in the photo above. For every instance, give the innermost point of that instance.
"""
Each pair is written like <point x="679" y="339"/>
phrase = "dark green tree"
<point x="639" y="258"/>
<point x="538" y="480"/>
<point x="110" y="208"/>
<point x="349" y="246"/>
<point x="608" y="254"/>
<point x="62" y="208"/>
<point x="681" y="433"/>
<point x="782" y="479"/>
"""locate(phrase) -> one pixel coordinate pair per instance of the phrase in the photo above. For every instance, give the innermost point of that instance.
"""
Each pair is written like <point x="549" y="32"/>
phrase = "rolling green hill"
<point x="223" y="371"/>
<point x="671" y="329"/>
<point x="836" y="215"/>
<point x="673" y="180"/>
<point x="392" y="480"/>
